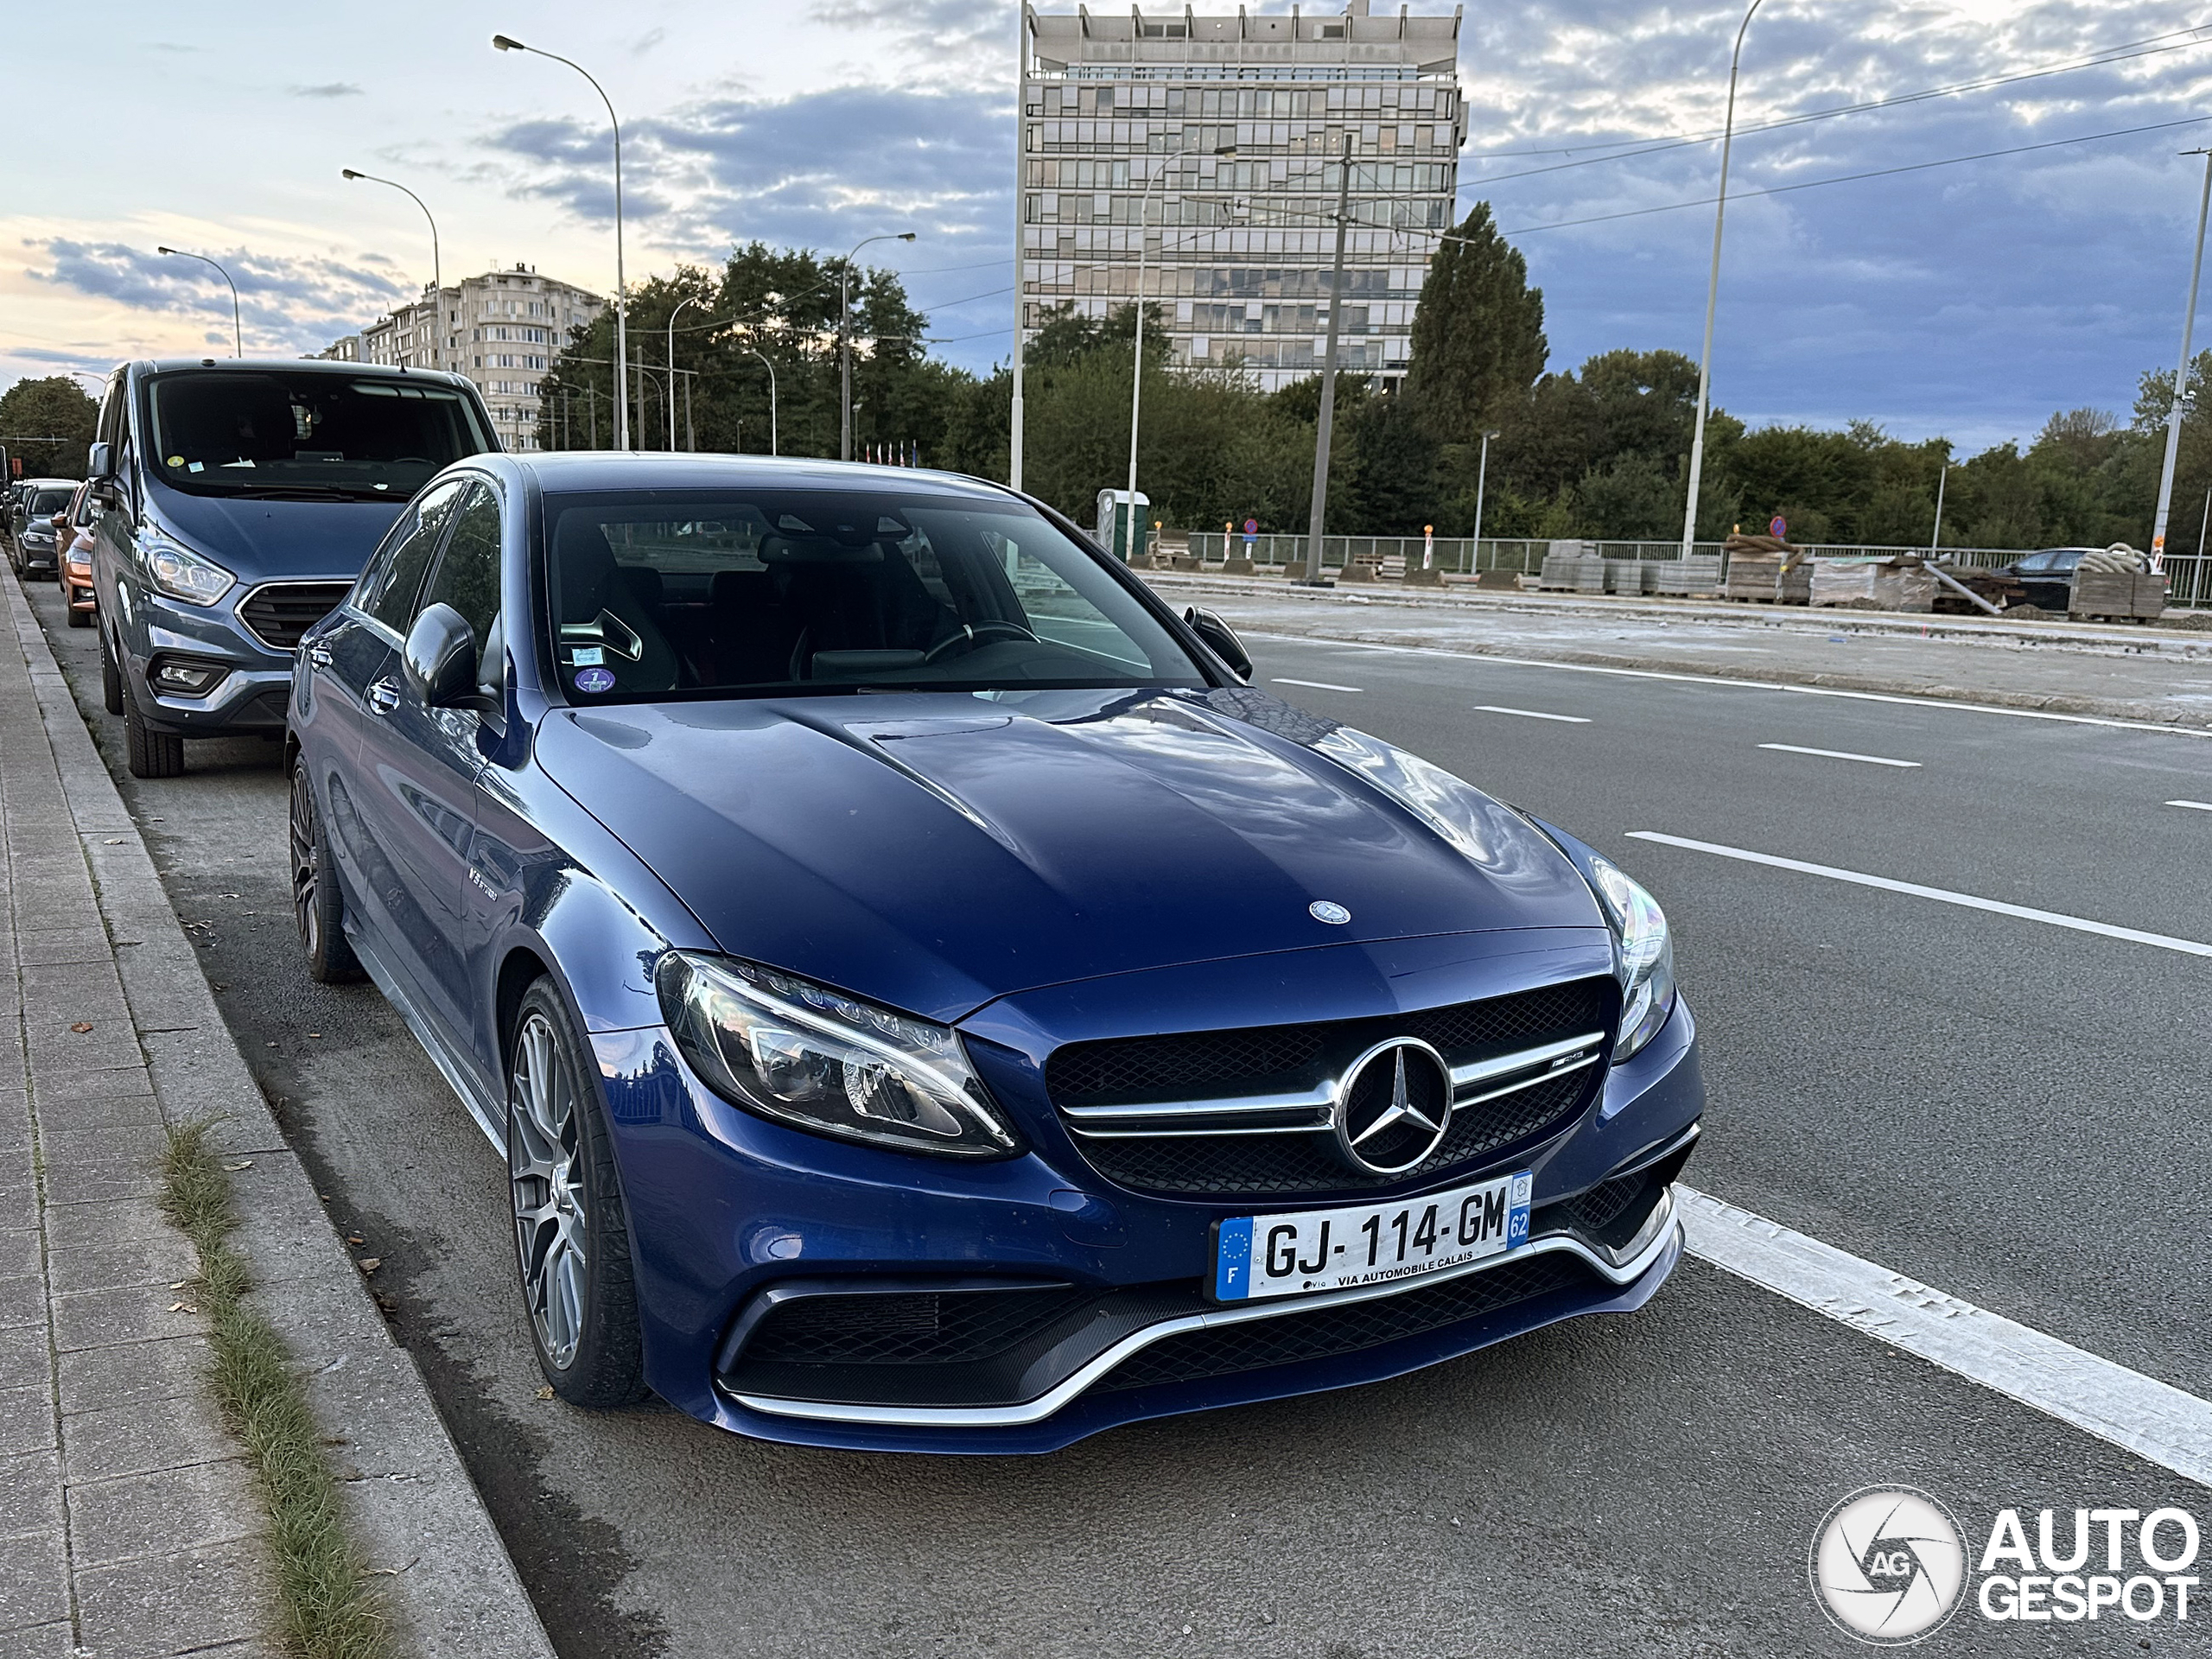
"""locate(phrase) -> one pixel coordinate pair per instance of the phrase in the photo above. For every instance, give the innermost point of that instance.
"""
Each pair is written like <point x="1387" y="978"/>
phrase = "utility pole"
<point x="2181" y="378"/>
<point x="1482" y="477"/>
<point x="1935" y="542"/>
<point x="1313" y="577"/>
<point x="845" y="338"/>
<point x="1021" y="184"/>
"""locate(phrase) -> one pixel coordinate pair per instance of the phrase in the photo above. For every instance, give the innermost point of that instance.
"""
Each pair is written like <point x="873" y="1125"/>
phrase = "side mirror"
<point x="440" y="659"/>
<point x="102" y="462"/>
<point x="1222" y="640"/>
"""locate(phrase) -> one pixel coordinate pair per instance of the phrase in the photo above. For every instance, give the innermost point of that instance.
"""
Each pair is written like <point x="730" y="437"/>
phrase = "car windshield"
<point x="777" y="592"/>
<point x="46" y="503"/>
<point x="257" y="433"/>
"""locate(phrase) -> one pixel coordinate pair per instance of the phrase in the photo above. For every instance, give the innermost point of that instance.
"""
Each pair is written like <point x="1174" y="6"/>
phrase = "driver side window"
<point x="467" y="576"/>
<point x="388" y="587"/>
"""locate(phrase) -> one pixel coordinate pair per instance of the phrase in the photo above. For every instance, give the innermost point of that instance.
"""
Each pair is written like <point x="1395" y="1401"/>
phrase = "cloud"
<point x="936" y="31"/>
<point x="646" y="42"/>
<point x="329" y="89"/>
<point x="296" y="304"/>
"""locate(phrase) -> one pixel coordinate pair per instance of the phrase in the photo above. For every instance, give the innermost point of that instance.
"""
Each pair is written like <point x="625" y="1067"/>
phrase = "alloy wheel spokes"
<point x="551" y="1236"/>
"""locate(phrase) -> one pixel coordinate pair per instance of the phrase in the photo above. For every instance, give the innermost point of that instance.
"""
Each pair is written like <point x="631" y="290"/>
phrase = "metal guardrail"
<point x="2189" y="576"/>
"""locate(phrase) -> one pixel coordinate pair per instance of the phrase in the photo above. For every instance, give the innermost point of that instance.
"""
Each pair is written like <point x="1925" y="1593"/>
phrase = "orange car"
<point x="73" y="538"/>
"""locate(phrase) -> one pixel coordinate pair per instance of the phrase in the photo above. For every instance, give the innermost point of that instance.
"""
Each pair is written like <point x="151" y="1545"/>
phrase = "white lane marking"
<point x="1742" y="685"/>
<point x="2150" y="1418"/>
<point x="1317" y="685"/>
<point x="1839" y="755"/>
<point x="1942" y="895"/>
<point x="2194" y="806"/>
<point x="1531" y="714"/>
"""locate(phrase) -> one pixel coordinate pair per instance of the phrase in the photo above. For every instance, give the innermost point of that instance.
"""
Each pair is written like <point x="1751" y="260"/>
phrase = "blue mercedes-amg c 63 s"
<point x="925" y="999"/>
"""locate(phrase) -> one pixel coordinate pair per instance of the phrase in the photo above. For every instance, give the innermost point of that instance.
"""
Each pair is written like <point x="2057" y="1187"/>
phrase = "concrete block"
<point x="30" y="1492"/>
<point x="34" y="1580"/>
<point x="133" y="1517"/>
<point x="143" y="1437"/>
<point x="186" y="1601"/>
<point x="134" y="1314"/>
<point x="100" y="1378"/>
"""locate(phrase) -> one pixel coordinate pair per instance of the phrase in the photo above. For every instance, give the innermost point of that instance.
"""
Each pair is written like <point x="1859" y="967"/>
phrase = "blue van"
<point x="238" y="501"/>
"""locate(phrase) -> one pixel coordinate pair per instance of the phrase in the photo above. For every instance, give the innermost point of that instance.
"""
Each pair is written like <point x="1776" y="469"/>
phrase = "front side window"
<point x="265" y="432"/>
<point x="778" y="591"/>
<point x="388" y="586"/>
<point x="467" y="576"/>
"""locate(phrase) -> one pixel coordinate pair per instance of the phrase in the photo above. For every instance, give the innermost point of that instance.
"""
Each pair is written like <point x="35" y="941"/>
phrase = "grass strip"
<point x="326" y="1609"/>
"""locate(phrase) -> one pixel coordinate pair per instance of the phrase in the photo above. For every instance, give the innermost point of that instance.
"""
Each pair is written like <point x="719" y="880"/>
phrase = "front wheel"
<point x="79" y="619"/>
<point x="149" y="754"/>
<point x="317" y="906"/>
<point x="572" y="1237"/>
<point x="110" y="676"/>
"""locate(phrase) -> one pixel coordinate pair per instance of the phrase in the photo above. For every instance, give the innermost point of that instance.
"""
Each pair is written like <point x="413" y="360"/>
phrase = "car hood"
<point x="258" y="540"/>
<point x="934" y="852"/>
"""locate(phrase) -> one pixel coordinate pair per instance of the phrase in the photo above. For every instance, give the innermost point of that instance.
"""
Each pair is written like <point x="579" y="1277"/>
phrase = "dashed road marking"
<point x="2194" y="806"/>
<point x="1531" y="714"/>
<point x="1839" y="755"/>
<point x="1942" y="895"/>
<point x="1317" y="685"/>
<point x="2150" y="1418"/>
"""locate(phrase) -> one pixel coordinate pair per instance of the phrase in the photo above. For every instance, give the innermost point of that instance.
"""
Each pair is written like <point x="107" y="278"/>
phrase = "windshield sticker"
<point x="176" y="460"/>
<point x="589" y="656"/>
<point x="595" y="679"/>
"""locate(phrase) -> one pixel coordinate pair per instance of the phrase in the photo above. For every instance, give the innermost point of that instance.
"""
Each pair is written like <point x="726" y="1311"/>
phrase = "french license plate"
<point x="1258" y="1256"/>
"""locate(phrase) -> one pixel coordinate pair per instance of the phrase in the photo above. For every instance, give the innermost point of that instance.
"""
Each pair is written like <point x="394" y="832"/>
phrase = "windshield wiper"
<point x="309" y="492"/>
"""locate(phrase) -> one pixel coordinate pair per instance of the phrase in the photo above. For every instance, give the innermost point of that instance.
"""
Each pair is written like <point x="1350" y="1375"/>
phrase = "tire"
<point x="572" y="1233"/>
<point x="79" y="619"/>
<point x="111" y="677"/>
<point x="317" y="906"/>
<point x="149" y="754"/>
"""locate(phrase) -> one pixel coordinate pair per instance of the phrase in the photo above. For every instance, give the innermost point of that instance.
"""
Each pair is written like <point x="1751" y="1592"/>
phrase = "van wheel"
<point x="149" y="754"/>
<point x="111" y="677"/>
<point x="316" y="902"/>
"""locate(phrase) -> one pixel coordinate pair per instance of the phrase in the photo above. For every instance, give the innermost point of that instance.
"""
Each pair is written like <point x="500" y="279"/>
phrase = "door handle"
<point x="384" y="697"/>
<point x="318" y="657"/>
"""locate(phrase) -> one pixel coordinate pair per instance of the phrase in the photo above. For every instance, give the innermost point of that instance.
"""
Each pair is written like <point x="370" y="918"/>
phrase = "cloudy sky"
<point x="1970" y="298"/>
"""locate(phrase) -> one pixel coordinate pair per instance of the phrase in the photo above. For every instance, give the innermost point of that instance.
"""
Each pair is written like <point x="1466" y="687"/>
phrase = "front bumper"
<point x="252" y="697"/>
<point x="38" y="555"/>
<point x="729" y="1212"/>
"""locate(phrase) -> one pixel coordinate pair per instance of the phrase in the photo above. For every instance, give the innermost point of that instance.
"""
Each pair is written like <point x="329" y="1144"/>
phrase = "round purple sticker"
<point x="595" y="679"/>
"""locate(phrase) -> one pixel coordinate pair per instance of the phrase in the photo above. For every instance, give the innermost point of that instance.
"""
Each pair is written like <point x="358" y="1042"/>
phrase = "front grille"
<point x="905" y="1328"/>
<point x="1327" y="1332"/>
<point x="278" y="613"/>
<point x="1281" y="1059"/>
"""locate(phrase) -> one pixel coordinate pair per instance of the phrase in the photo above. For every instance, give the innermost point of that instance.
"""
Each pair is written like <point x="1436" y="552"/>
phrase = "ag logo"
<point x="1888" y="1565"/>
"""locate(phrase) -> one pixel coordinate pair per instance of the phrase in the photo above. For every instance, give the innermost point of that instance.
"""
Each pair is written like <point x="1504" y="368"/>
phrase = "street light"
<point x="237" y="332"/>
<point x="845" y="341"/>
<point x="1136" y="369"/>
<point x="1328" y="414"/>
<point x="1713" y="292"/>
<point x="770" y="367"/>
<point x="1482" y="477"/>
<point x="508" y="43"/>
<point x="2181" y="378"/>
<point x="689" y="299"/>
<point x="437" y="271"/>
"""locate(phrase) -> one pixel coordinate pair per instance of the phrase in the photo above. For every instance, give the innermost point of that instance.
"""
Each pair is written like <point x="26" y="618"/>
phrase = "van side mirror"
<point x="439" y="660"/>
<point x="1222" y="640"/>
<point x="101" y="465"/>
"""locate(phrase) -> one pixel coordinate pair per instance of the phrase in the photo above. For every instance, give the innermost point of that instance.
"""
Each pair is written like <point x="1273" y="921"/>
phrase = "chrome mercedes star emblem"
<point x="1394" y="1107"/>
<point x="1322" y="910"/>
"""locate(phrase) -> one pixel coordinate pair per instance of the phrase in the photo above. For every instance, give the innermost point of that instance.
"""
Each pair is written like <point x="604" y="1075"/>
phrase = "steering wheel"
<point x="971" y="635"/>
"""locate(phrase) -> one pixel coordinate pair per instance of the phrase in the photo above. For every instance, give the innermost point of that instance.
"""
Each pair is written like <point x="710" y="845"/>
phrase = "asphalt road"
<point x="2005" y="1109"/>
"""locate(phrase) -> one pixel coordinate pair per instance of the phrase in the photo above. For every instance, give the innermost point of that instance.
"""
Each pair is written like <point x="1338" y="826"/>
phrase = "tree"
<point x="1477" y="334"/>
<point x="54" y="408"/>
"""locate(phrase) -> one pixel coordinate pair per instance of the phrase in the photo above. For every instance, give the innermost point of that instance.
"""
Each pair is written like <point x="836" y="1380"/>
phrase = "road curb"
<point x="444" y="1572"/>
<point x="1342" y="627"/>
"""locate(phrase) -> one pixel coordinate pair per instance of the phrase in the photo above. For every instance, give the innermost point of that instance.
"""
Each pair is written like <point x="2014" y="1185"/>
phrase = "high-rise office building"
<point x="1238" y="244"/>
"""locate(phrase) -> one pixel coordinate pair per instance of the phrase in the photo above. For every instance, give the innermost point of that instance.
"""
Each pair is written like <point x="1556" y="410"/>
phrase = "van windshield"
<point x="307" y="435"/>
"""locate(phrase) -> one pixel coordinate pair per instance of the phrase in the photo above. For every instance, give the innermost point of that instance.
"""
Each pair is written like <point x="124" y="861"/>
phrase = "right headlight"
<point x="181" y="574"/>
<point x="1643" y="955"/>
<point x="817" y="1059"/>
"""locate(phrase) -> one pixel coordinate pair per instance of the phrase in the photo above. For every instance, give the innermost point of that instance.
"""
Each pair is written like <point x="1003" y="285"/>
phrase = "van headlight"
<point x="1643" y="955"/>
<point x="820" y="1060"/>
<point x="181" y="574"/>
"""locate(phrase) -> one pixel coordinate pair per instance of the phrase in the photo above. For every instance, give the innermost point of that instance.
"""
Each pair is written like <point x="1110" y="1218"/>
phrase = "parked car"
<point x="75" y="525"/>
<point x="32" y="542"/>
<point x="2048" y="576"/>
<point x="238" y="501"/>
<point x="924" y="997"/>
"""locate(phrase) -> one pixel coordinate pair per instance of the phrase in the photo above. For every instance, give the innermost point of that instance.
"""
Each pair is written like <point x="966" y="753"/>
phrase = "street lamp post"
<point x="1935" y="541"/>
<point x="1020" y="187"/>
<point x="1312" y="578"/>
<point x="508" y="43"/>
<point x="1713" y="293"/>
<point x="770" y="367"/>
<point x="845" y="340"/>
<point x="237" y="332"/>
<point x="437" y="271"/>
<point x="689" y="299"/>
<point x="1482" y="478"/>
<point x="2180" y="379"/>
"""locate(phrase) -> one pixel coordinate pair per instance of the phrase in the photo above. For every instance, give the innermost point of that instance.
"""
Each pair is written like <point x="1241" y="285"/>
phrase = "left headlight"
<point x="1644" y="954"/>
<point x="181" y="574"/>
<point x="819" y="1060"/>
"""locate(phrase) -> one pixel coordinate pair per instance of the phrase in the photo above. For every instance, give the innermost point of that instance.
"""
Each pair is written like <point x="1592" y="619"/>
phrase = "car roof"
<point x="49" y="483"/>
<point x="296" y="365"/>
<point x="580" y="471"/>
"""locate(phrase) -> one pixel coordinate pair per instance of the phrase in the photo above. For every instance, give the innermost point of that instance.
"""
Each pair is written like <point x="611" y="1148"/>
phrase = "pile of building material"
<point x="1767" y="569"/>
<point x="2116" y="585"/>
<point x="1996" y="593"/>
<point x="1564" y="564"/>
<point x="1901" y="582"/>
<point x="1696" y="577"/>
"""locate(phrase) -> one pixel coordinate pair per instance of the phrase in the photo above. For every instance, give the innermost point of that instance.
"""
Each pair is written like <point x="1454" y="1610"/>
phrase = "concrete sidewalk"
<point x="2163" y="675"/>
<point x="128" y="1522"/>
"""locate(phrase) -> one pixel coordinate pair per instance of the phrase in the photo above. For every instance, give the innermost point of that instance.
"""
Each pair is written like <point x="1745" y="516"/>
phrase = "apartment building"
<point x="1218" y="140"/>
<point x="502" y="330"/>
